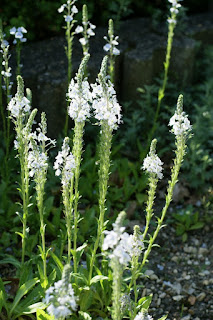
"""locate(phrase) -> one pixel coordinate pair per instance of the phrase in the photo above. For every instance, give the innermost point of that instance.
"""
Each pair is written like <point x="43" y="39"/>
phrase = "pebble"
<point x="178" y="297"/>
<point x="175" y="258"/>
<point x="203" y="251"/>
<point x="201" y="296"/>
<point x="190" y="249"/>
<point x="188" y="317"/>
<point x="162" y="295"/>
<point x="148" y="272"/>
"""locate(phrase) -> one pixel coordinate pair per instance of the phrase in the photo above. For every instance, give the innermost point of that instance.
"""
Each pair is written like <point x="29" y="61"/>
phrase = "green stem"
<point x="105" y="149"/>
<point x="77" y="151"/>
<point x="69" y="38"/>
<point x="151" y="196"/>
<point x="174" y="178"/>
<point x="161" y="91"/>
<point x="18" y="57"/>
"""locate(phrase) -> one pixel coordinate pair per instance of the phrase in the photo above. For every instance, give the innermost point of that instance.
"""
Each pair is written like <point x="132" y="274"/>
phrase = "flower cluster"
<point x="18" y="34"/>
<point x="6" y="72"/>
<point x="37" y="162"/>
<point x="174" y="11"/>
<point x="61" y="299"/>
<point x="37" y="157"/>
<point x="122" y="244"/>
<point x="180" y="124"/>
<point x="71" y="10"/>
<point x="65" y="163"/>
<point x="111" y="45"/>
<point x="87" y="31"/>
<point x="143" y="315"/>
<point x="18" y="107"/>
<point x="152" y="163"/>
<point x="112" y="41"/>
<point x="80" y="99"/>
<point x="105" y="104"/>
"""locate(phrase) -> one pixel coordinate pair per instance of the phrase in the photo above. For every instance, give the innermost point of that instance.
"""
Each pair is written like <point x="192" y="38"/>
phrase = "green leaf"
<point x="22" y="291"/>
<point x="11" y="260"/>
<point x="144" y="302"/>
<point x="20" y="234"/>
<point x="163" y="318"/>
<point x="184" y="237"/>
<point x="198" y="225"/>
<point x="98" y="278"/>
<point x="86" y="300"/>
<point x="42" y="315"/>
<point x="57" y="261"/>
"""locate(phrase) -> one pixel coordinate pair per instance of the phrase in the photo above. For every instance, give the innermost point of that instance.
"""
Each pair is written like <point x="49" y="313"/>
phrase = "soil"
<point x="180" y="276"/>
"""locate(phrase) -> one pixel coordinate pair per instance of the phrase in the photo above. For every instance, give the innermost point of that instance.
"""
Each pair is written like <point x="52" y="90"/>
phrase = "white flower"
<point x="180" y="124"/>
<point x="83" y="41"/>
<point x="107" y="47"/>
<point x="92" y="26"/>
<point x="79" y="29"/>
<point x="115" y="51"/>
<point x="143" y="316"/>
<point x="68" y="18"/>
<point x="18" y="107"/>
<point x="90" y="32"/>
<point x="105" y="104"/>
<point x="120" y="253"/>
<point x="62" y="7"/>
<point x="120" y="243"/>
<point x="153" y="164"/>
<point x="170" y="21"/>
<point x="61" y="300"/>
<point x="110" y="240"/>
<point x="74" y="9"/>
<point x="65" y="164"/>
<point x="18" y="35"/>
<point x="80" y="99"/>
<point x="23" y="39"/>
<point x="37" y="162"/>
<point x="13" y="30"/>
<point x="22" y="30"/>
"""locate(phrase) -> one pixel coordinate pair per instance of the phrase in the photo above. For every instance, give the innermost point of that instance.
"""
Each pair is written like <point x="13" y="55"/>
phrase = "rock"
<point x="190" y="249"/>
<point x="203" y="251"/>
<point x="200" y="27"/>
<point x="178" y="297"/>
<point x="201" y="296"/>
<point x="192" y="300"/>
<point x="148" y="272"/>
<point x="188" y="317"/>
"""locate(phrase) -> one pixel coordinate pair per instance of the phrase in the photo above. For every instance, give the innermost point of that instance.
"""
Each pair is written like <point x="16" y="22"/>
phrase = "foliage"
<point x="41" y="18"/>
<point x="187" y="220"/>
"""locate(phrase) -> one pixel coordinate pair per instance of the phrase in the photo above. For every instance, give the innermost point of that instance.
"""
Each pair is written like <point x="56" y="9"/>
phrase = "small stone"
<point x="178" y="297"/>
<point x="158" y="302"/>
<point x="175" y="259"/>
<point x="190" y="249"/>
<point x="148" y="272"/>
<point x="162" y="295"/>
<point x="188" y="317"/>
<point x="192" y="300"/>
<point x="153" y="277"/>
<point x="201" y="296"/>
<point x="203" y="251"/>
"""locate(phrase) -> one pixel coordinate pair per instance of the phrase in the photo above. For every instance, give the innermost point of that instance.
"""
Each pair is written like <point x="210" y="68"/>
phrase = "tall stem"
<point x="105" y="149"/>
<point x="161" y="91"/>
<point x="77" y="151"/>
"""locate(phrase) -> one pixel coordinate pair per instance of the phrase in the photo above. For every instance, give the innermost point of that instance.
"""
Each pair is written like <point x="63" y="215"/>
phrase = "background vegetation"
<point x="42" y="20"/>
